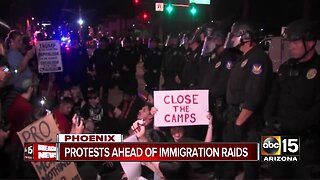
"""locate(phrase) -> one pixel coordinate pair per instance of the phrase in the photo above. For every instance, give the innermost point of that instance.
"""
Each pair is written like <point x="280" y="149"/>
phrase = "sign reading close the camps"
<point x="49" y="56"/>
<point x="46" y="130"/>
<point x="181" y="108"/>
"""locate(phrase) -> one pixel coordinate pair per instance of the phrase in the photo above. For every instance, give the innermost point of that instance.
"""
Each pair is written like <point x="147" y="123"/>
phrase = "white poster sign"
<point x="181" y="108"/>
<point x="49" y="56"/>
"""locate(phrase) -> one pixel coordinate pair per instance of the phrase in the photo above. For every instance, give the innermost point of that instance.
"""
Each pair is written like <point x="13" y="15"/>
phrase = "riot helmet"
<point x="213" y="41"/>
<point x="302" y="29"/>
<point x="172" y="40"/>
<point x="240" y="33"/>
<point x="183" y="37"/>
<point x="197" y="36"/>
<point x="126" y="42"/>
<point x="153" y="42"/>
<point x="208" y="44"/>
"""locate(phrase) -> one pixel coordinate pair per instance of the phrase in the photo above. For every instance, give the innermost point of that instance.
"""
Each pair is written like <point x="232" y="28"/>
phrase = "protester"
<point x="169" y="170"/>
<point x="77" y="97"/>
<point x="126" y="112"/>
<point x="19" y="113"/>
<point x="20" y="110"/>
<point x="60" y="114"/>
<point x="18" y="62"/>
<point x="96" y="111"/>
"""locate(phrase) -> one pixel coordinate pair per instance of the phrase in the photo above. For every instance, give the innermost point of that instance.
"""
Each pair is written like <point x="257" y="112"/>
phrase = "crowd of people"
<point x="246" y="98"/>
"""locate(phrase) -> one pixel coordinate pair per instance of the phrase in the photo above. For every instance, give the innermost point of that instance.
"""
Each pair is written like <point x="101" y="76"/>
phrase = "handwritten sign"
<point x="181" y="108"/>
<point x="49" y="56"/>
<point x="46" y="130"/>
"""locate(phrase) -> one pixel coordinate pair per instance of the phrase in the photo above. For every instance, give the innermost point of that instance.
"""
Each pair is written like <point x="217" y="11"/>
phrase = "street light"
<point x="80" y="21"/>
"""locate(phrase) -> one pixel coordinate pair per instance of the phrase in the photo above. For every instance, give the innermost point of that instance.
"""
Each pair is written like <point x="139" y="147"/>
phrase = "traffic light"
<point x="193" y="9"/>
<point x="145" y="16"/>
<point x="136" y="2"/>
<point x="169" y="8"/>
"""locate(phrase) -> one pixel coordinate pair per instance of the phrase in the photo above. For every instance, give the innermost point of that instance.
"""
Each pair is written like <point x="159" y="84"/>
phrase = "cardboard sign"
<point x="46" y="130"/>
<point x="181" y="108"/>
<point x="49" y="56"/>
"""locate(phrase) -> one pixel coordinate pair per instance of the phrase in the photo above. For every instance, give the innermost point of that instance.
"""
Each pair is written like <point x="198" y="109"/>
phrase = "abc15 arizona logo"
<point x="280" y="148"/>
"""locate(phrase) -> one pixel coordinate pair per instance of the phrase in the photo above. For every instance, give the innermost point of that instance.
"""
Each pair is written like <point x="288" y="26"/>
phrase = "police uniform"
<point x="152" y="67"/>
<point x="294" y="103"/>
<point x="247" y="88"/>
<point x="128" y="59"/>
<point x="216" y="79"/>
<point x="172" y="66"/>
<point x="191" y="68"/>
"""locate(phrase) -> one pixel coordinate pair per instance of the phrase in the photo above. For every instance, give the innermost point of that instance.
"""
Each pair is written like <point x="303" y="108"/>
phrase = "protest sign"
<point x="181" y="108"/>
<point x="49" y="56"/>
<point x="46" y="130"/>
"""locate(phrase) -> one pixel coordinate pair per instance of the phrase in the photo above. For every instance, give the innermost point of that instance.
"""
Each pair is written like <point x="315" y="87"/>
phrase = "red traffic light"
<point x="145" y="16"/>
<point x="136" y="1"/>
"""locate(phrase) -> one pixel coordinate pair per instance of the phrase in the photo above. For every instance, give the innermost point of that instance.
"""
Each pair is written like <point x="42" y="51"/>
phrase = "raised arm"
<point x="210" y="129"/>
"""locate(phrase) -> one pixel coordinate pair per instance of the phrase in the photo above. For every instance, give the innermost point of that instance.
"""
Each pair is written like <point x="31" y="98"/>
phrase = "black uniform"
<point x="75" y="63"/>
<point x="205" y="65"/>
<point x="152" y="67"/>
<point x="294" y="103"/>
<point x="247" y="88"/>
<point x="102" y="60"/>
<point x="127" y="61"/>
<point x="216" y="79"/>
<point x="172" y="66"/>
<point x="191" y="69"/>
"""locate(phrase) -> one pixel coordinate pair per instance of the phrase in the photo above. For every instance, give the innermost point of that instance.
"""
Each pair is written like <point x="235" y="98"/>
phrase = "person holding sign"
<point x="169" y="170"/>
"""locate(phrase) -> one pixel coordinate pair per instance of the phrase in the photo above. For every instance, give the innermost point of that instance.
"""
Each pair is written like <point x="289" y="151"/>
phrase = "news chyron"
<point x="280" y="148"/>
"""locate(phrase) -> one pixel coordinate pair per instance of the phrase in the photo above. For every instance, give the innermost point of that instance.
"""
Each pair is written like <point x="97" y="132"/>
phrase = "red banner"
<point x="158" y="151"/>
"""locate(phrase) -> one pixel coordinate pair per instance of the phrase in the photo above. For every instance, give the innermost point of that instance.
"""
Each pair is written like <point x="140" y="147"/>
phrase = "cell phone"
<point x="78" y="116"/>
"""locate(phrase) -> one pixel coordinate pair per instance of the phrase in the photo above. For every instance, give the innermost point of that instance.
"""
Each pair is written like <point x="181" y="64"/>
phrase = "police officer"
<point x="206" y="52"/>
<point x="247" y="88"/>
<point x="128" y="59"/>
<point x="102" y="67"/>
<point x="220" y="62"/>
<point x="75" y="63"/>
<point x="172" y="64"/>
<point x="152" y="65"/>
<point x="294" y="102"/>
<point x="191" y="63"/>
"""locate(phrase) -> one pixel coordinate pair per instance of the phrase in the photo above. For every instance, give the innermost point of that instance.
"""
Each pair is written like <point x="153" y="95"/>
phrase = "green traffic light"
<point x="193" y="9"/>
<point x="169" y="8"/>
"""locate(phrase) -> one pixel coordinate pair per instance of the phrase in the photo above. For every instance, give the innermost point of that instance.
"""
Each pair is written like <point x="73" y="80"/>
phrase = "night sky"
<point x="272" y="13"/>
